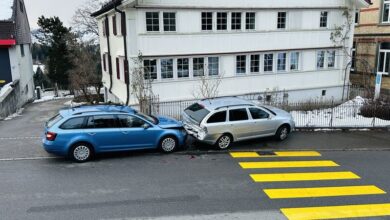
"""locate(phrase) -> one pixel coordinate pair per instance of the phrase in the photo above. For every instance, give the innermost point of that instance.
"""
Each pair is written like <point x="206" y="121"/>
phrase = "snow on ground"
<point x="344" y="115"/>
<point x="6" y="9"/>
<point x="17" y="114"/>
<point x="49" y="95"/>
<point x="4" y="90"/>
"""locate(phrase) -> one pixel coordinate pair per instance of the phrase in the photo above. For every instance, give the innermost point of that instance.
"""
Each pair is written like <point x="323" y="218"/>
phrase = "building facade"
<point x="15" y="50"/>
<point x="254" y="46"/>
<point x="372" y="44"/>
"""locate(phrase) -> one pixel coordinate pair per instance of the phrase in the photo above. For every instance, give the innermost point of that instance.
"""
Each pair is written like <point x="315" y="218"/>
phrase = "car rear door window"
<point x="238" y="115"/>
<point x="54" y="120"/>
<point x="102" y="121"/>
<point x="217" y="118"/>
<point x="74" y="123"/>
<point x="197" y="112"/>
<point x="128" y="121"/>
<point x="258" y="113"/>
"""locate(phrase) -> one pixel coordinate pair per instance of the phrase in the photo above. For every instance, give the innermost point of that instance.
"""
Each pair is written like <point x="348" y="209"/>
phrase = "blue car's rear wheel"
<point x="168" y="144"/>
<point x="81" y="152"/>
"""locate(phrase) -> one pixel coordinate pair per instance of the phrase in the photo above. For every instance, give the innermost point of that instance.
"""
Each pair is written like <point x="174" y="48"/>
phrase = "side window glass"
<point x="102" y="121"/>
<point x="74" y="123"/>
<point x="238" y="115"/>
<point x="127" y="121"/>
<point x="258" y="113"/>
<point x="217" y="118"/>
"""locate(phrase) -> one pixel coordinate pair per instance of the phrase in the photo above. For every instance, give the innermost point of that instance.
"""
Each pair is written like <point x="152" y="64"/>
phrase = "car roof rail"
<point x="228" y="106"/>
<point x="86" y="112"/>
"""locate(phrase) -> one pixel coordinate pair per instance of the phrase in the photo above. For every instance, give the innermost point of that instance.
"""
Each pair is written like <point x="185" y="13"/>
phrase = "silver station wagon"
<point x="222" y="121"/>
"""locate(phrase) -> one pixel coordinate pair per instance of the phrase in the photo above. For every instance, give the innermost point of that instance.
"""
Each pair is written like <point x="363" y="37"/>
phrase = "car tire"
<point x="81" y="152"/>
<point x="224" y="142"/>
<point x="282" y="133"/>
<point x="168" y="144"/>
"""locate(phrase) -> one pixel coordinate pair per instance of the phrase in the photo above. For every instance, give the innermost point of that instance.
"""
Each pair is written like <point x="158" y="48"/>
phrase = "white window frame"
<point x="323" y="52"/>
<point x="177" y="67"/>
<point x="326" y="17"/>
<point x="193" y="66"/>
<point x="163" y="21"/>
<point x="357" y="17"/>
<point x="157" y="67"/>
<point x="159" y="22"/>
<point x="297" y="63"/>
<point x="285" y="62"/>
<point x="273" y="63"/>
<point x="259" y="64"/>
<point x="387" y="53"/>
<point x="201" y="21"/>
<point x="328" y="53"/>
<point x="385" y="3"/>
<point x="208" y="65"/>
<point x="161" y="66"/>
<point x="231" y="26"/>
<point x="227" y="21"/>
<point x="245" y="66"/>
<point x="246" y="21"/>
<point x="286" y="20"/>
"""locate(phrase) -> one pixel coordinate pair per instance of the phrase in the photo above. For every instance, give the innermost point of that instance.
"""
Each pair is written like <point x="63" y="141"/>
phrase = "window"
<point x="331" y="58"/>
<point x="166" y="68"/>
<point x="74" y="123"/>
<point x="238" y="115"/>
<point x="213" y="66"/>
<point x="320" y="59"/>
<point x="384" y="58"/>
<point x="255" y="63"/>
<point x="114" y="24"/>
<point x="282" y="20"/>
<point x="102" y="121"/>
<point x="217" y="118"/>
<point x="169" y="21"/>
<point x="52" y="121"/>
<point x="198" y="66"/>
<point x="197" y="112"/>
<point x="127" y="121"/>
<point x="207" y="21"/>
<point x="357" y="17"/>
<point x="282" y="58"/>
<point x="22" y="50"/>
<point x="236" y="20"/>
<point x="353" y="61"/>
<point x="324" y="19"/>
<point x="294" y="61"/>
<point x="386" y="11"/>
<point x="258" y="113"/>
<point x="183" y="68"/>
<point x="250" y="21"/>
<point x="241" y="64"/>
<point x="150" y="69"/>
<point x="152" y="21"/>
<point x="268" y="62"/>
<point x="222" y="21"/>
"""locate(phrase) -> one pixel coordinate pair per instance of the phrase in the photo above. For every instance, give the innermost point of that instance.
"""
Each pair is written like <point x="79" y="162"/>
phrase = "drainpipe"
<point x="107" y="30"/>
<point x="126" y="62"/>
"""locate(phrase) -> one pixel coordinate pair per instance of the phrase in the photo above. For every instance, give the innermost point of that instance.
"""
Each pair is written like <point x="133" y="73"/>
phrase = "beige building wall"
<point x="370" y="32"/>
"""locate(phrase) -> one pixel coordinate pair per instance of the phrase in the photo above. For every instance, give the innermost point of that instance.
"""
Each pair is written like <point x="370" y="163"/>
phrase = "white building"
<point x="257" y="45"/>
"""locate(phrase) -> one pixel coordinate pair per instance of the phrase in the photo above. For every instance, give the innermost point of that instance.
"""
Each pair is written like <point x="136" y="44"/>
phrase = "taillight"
<point x="51" y="136"/>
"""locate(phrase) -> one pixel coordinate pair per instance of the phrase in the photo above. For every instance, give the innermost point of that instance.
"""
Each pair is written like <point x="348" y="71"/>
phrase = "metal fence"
<point x="329" y="114"/>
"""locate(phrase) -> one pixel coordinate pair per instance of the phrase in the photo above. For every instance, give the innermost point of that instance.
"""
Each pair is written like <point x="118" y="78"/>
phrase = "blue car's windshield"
<point x="148" y="118"/>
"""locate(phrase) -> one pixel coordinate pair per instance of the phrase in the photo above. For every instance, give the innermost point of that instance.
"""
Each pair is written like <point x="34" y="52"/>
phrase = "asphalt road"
<point x="196" y="182"/>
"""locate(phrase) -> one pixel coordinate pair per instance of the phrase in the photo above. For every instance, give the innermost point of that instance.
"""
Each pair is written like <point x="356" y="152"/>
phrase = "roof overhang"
<point x="362" y="3"/>
<point x="7" y="42"/>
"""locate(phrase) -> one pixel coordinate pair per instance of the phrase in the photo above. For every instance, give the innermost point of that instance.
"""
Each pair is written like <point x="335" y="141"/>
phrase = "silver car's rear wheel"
<point x="81" y="153"/>
<point x="224" y="142"/>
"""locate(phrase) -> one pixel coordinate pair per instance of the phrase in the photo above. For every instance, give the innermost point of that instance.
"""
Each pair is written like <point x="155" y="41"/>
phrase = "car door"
<point x="263" y="124"/>
<point x="137" y="133"/>
<point x="105" y="132"/>
<point x="239" y="123"/>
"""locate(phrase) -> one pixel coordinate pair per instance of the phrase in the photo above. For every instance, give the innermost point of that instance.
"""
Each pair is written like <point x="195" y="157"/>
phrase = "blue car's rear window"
<point x="52" y="121"/>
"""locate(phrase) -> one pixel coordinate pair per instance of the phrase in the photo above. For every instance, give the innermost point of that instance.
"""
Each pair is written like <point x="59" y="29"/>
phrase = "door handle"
<point x="92" y="134"/>
<point x="125" y="132"/>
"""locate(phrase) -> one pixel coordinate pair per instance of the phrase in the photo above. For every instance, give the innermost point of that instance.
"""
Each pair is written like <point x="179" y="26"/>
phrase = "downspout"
<point x="126" y="61"/>
<point x="107" y="30"/>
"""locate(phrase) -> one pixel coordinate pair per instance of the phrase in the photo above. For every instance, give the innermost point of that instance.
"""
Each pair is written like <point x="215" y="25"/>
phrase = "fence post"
<point x="331" y="114"/>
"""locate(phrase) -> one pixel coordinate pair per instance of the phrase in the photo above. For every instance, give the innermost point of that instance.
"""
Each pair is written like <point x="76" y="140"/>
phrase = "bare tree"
<point x="208" y="87"/>
<point x="83" y="23"/>
<point x="141" y="84"/>
<point x="341" y="38"/>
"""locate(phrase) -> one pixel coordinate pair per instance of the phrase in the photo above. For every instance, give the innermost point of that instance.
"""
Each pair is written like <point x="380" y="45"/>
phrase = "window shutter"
<point x="118" y="71"/>
<point x="104" y="62"/>
<point x="126" y="68"/>
<point x="114" y="25"/>
<point x="123" y="24"/>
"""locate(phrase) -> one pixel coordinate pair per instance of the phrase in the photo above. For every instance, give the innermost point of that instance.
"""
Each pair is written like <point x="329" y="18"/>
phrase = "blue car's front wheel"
<point x="168" y="144"/>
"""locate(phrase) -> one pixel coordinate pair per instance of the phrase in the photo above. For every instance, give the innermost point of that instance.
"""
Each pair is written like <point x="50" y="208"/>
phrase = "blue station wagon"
<point x="81" y="132"/>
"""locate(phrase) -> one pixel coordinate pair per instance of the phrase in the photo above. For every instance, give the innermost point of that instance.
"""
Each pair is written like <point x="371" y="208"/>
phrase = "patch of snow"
<point x="35" y="68"/>
<point x="6" y="9"/>
<point x="344" y="115"/>
<point x="17" y="114"/>
<point x="49" y="95"/>
<point x="5" y="90"/>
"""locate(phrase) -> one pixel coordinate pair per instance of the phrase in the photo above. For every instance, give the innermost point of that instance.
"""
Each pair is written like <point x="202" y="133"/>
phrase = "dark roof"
<point x="107" y="7"/>
<point x="17" y="27"/>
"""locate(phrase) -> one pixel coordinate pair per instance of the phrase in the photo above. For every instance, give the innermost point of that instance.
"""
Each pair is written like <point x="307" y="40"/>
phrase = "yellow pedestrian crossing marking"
<point x="287" y="177"/>
<point x="287" y="164"/>
<point x="277" y="154"/>
<point x="335" y="212"/>
<point x="322" y="192"/>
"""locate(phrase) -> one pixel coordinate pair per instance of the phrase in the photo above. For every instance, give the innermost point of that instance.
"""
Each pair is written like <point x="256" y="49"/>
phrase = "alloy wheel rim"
<point x="81" y="153"/>
<point x="283" y="133"/>
<point x="168" y="144"/>
<point x="224" y="142"/>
